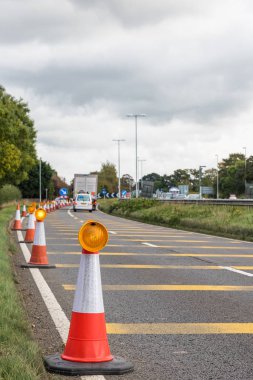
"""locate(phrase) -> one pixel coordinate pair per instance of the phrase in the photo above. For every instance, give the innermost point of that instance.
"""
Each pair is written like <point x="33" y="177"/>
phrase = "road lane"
<point x="180" y="333"/>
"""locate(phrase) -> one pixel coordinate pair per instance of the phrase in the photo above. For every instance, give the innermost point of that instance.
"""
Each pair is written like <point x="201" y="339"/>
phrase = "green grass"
<point x="20" y="358"/>
<point x="229" y="221"/>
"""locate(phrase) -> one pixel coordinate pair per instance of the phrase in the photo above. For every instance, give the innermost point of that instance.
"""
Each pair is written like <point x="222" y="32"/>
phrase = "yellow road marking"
<point x="104" y="253"/>
<point x="202" y="246"/>
<point x="170" y="240"/>
<point x="148" y="266"/>
<point x="179" y="328"/>
<point x="208" y="288"/>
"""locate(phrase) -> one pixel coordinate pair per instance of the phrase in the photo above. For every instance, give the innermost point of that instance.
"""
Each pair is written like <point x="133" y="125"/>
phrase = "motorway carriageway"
<point x="178" y="304"/>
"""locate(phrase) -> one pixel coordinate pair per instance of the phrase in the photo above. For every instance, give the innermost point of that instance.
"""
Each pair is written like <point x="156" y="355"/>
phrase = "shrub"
<point x="9" y="193"/>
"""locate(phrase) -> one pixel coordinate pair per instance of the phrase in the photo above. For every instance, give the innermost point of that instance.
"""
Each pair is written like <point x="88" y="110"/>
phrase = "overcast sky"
<point x="82" y="65"/>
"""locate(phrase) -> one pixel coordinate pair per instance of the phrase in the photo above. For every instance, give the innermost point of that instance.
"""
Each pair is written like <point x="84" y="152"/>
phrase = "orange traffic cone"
<point x="24" y="213"/>
<point x="17" y="222"/>
<point x="87" y="350"/>
<point x="30" y="232"/>
<point x="39" y="250"/>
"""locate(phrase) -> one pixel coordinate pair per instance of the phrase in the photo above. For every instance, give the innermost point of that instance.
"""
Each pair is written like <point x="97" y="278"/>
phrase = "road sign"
<point x="104" y="191"/>
<point x="123" y="192"/>
<point x="63" y="191"/>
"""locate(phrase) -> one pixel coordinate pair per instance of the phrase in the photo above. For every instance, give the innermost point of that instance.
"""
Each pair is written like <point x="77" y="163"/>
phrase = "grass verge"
<point x="229" y="221"/>
<point x="20" y="358"/>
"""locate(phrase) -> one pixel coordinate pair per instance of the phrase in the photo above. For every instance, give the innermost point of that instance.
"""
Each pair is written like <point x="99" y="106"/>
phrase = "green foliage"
<point x="20" y="358"/>
<point x="17" y="140"/>
<point x="232" y="174"/>
<point x="30" y="187"/>
<point x="107" y="178"/>
<point x="9" y="193"/>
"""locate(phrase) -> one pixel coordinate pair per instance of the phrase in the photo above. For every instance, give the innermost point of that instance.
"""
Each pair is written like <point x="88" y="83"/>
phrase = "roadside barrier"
<point x="24" y="213"/>
<point x="87" y="350"/>
<point x="30" y="232"/>
<point x="17" y="222"/>
<point x="39" y="250"/>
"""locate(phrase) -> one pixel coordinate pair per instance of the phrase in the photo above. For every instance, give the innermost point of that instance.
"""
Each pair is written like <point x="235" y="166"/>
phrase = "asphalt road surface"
<point x="179" y="305"/>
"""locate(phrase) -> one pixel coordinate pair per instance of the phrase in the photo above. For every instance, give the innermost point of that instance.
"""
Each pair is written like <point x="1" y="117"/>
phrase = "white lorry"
<point x="85" y="184"/>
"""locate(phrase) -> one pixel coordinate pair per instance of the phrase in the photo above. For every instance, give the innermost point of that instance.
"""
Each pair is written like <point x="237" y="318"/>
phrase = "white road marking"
<point x="57" y="314"/>
<point x="70" y="214"/>
<point x="81" y="221"/>
<point x="113" y="232"/>
<point x="150" y="245"/>
<point x="238" y="271"/>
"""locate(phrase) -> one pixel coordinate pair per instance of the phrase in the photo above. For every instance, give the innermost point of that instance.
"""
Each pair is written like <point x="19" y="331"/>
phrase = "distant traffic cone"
<point x="48" y="208"/>
<point x="30" y="232"/>
<point x="39" y="250"/>
<point x="87" y="350"/>
<point x="17" y="222"/>
<point x="24" y="213"/>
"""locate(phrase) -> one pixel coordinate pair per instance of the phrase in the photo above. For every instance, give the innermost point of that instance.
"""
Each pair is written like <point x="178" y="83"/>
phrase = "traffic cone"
<point x="17" y="222"/>
<point x="48" y="208"/>
<point x="87" y="350"/>
<point x="30" y="232"/>
<point x="39" y="250"/>
<point x="24" y="213"/>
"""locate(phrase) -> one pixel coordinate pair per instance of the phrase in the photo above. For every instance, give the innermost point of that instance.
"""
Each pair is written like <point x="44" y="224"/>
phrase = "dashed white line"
<point x="113" y="232"/>
<point x="238" y="271"/>
<point x="150" y="245"/>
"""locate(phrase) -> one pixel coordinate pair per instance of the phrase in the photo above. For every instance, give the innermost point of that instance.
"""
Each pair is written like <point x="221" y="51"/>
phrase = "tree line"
<point x="233" y="173"/>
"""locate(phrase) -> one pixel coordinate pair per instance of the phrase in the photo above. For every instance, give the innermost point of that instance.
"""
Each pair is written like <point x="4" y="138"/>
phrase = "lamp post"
<point x="141" y="161"/>
<point x="245" y="167"/>
<point x="119" y="141"/>
<point x="217" y="157"/>
<point x="136" y="147"/>
<point x="200" y="172"/>
<point x="40" y="179"/>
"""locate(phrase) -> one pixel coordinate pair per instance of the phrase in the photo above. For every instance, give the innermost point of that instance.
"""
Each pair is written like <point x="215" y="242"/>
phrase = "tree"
<point x="107" y="178"/>
<point x="232" y="175"/>
<point x="17" y="139"/>
<point x="181" y="177"/>
<point x="30" y="187"/>
<point x="126" y="182"/>
<point x="58" y="183"/>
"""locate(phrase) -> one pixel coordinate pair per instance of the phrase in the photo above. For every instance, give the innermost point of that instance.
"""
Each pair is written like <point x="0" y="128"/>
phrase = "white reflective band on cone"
<point x="39" y="238"/>
<point x="17" y="217"/>
<point x="88" y="295"/>
<point x="31" y="220"/>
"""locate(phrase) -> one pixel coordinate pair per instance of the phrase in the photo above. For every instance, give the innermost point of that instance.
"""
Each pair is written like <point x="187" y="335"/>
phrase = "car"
<point x="232" y="197"/>
<point x="82" y="202"/>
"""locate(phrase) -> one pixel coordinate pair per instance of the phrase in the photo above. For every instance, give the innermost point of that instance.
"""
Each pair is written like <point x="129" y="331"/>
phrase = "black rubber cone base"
<point x="117" y="366"/>
<point x="27" y="242"/>
<point x="40" y="266"/>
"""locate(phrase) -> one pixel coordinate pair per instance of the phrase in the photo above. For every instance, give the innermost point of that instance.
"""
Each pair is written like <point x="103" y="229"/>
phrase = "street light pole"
<point x="245" y="167"/>
<point x="40" y="179"/>
<point x="136" y="147"/>
<point x="141" y="161"/>
<point x="118" y="141"/>
<point x="200" y="192"/>
<point x="217" y="196"/>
